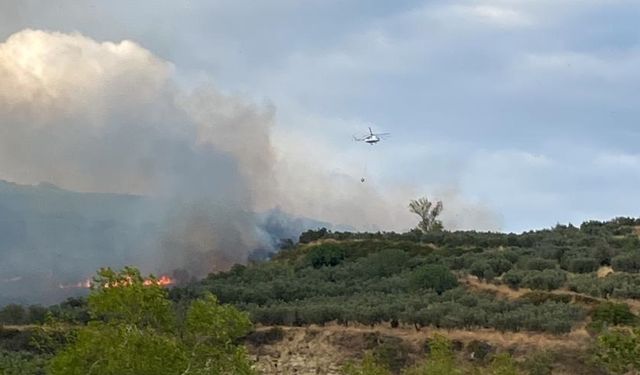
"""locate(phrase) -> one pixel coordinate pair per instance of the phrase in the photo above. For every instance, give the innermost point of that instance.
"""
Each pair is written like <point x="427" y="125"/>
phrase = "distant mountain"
<point x="51" y="238"/>
<point x="282" y="225"/>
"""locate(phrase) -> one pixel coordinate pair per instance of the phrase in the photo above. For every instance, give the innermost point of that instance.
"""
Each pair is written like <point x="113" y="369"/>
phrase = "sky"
<point x="519" y="113"/>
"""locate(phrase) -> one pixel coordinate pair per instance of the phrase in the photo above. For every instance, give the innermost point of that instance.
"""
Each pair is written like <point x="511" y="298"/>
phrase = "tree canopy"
<point x="135" y="331"/>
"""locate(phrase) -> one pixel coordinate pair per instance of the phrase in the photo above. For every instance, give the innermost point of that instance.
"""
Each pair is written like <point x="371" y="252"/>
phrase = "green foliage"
<point x="368" y="366"/>
<point x="614" y="314"/>
<point x="72" y="311"/>
<point x="440" y="361"/>
<point x="540" y="363"/>
<point x="618" y="285"/>
<point x="502" y="364"/>
<point x="539" y="264"/>
<point x="385" y="263"/>
<point x="433" y="276"/>
<point x="124" y="298"/>
<point x="312" y="235"/>
<point x="514" y="278"/>
<point x="326" y="255"/>
<point x="583" y="265"/>
<point x="15" y="340"/>
<point x="629" y="262"/>
<point x="22" y="363"/>
<point x="13" y="314"/>
<point x="392" y="353"/>
<point x="482" y="269"/>
<point x="135" y="331"/>
<point x="428" y="213"/>
<point x="548" y="279"/>
<point x="618" y="351"/>
<point x="479" y="350"/>
<point x="539" y="297"/>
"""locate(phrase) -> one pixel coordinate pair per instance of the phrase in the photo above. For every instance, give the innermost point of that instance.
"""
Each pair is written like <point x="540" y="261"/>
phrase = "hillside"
<point x="538" y="297"/>
<point x="52" y="239"/>
<point x="423" y="280"/>
<point x="564" y="283"/>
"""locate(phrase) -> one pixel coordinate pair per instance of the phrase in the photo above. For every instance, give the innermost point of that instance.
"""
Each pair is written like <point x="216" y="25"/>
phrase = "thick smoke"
<point x="106" y="117"/>
<point x="102" y="117"/>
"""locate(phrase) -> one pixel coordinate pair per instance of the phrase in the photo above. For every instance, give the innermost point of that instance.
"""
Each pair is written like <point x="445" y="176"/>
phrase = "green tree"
<point x="22" y="363"/>
<point x="135" y="331"/>
<point x="539" y="363"/>
<point x="583" y="265"/>
<point x="328" y="255"/>
<point x="619" y="351"/>
<point x="629" y="262"/>
<point x="13" y="314"/>
<point x="428" y="213"/>
<point x="434" y="276"/>
<point x="441" y="359"/>
<point x="502" y="364"/>
<point x="614" y="314"/>
<point x="368" y="366"/>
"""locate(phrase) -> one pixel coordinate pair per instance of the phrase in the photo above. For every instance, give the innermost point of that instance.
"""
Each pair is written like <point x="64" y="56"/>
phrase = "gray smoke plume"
<point x="107" y="117"/>
<point x="162" y="177"/>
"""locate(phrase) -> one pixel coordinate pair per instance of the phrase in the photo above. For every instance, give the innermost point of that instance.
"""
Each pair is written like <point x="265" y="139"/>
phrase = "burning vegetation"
<point x="163" y="280"/>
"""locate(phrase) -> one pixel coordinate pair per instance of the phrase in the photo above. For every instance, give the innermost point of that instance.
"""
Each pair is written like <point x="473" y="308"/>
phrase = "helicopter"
<point x="371" y="138"/>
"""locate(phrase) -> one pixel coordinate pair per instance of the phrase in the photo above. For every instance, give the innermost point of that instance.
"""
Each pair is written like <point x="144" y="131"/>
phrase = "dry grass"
<point x="323" y="349"/>
<point x="504" y="291"/>
<point x="473" y="283"/>
<point x="604" y="271"/>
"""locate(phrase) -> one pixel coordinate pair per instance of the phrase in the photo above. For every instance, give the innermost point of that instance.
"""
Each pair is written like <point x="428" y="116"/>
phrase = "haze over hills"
<point x="51" y="239"/>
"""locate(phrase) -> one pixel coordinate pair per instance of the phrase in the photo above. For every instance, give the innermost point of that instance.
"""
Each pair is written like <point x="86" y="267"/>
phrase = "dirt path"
<point x="504" y="291"/>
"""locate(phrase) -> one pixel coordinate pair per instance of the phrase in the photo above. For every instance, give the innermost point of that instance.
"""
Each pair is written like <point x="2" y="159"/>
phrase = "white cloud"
<point x="489" y="14"/>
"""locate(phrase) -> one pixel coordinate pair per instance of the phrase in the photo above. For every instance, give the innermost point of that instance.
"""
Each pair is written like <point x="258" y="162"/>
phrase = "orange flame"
<point x="163" y="280"/>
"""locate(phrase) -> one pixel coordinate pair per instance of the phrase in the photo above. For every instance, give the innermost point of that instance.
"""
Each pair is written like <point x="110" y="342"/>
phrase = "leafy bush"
<point x="384" y="263"/>
<point x="514" y="278"/>
<point x="136" y="331"/>
<point x="436" y="277"/>
<point x="312" y="235"/>
<point x="544" y="280"/>
<point x="368" y="366"/>
<point x="482" y="269"/>
<point x="627" y="262"/>
<point x="22" y="363"/>
<point x="16" y="340"/>
<point x="619" y="351"/>
<point x="13" y="314"/>
<point x="538" y="297"/>
<point x="392" y="353"/>
<point x="583" y="265"/>
<point x="614" y="314"/>
<point x="540" y="363"/>
<point x="540" y="264"/>
<point x="502" y="364"/>
<point x="325" y="255"/>
<point x="479" y="350"/>
<point x="440" y="361"/>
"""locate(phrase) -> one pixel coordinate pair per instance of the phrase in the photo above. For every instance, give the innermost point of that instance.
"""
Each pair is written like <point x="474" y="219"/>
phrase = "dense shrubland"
<point x="412" y="278"/>
<point x="416" y="279"/>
